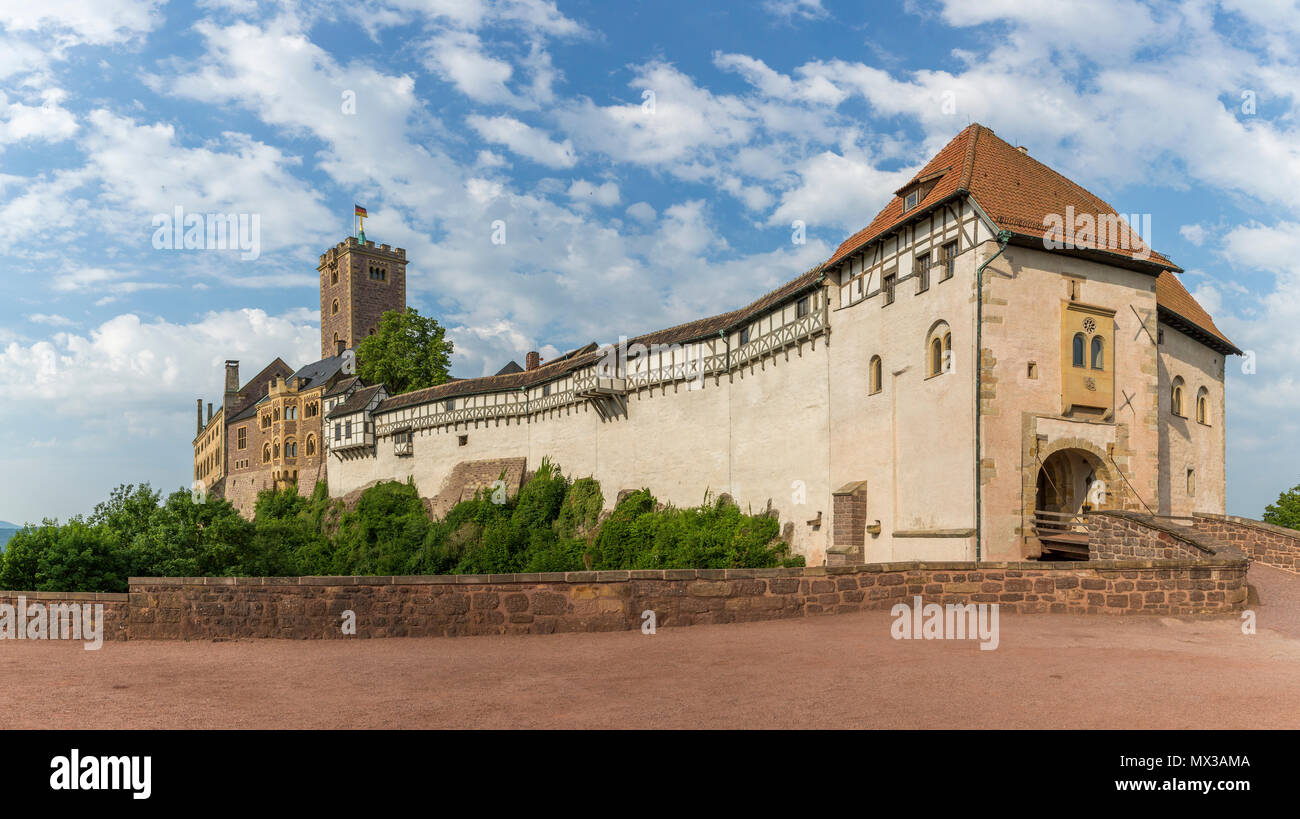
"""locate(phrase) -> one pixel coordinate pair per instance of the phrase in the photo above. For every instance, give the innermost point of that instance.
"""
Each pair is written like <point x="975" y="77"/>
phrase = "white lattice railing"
<point x="588" y="384"/>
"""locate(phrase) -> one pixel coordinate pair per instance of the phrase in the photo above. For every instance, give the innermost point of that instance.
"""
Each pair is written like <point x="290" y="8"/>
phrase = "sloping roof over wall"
<point x="356" y="401"/>
<point x="318" y="372"/>
<point x="1019" y="193"/>
<point x="584" y="356"/>
<point x="1175" y="304"/>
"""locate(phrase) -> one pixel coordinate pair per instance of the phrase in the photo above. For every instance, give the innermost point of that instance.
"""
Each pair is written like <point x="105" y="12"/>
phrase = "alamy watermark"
<point x="179" y="230"/>
<point x="931" y="621"/>
<point x="683" y="361"/>
<point x="1105" y="231"/>
<point x="53" y="621"/>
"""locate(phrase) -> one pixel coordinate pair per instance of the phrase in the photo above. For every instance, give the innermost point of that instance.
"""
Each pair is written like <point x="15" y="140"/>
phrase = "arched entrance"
<point x="1070" y="482"/>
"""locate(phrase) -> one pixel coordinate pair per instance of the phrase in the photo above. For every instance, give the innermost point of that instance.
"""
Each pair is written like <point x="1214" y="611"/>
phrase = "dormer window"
<point x="911" y="199"/>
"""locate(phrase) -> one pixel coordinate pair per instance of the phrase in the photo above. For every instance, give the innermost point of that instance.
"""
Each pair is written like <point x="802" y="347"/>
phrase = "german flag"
<point x="360" y="210"/>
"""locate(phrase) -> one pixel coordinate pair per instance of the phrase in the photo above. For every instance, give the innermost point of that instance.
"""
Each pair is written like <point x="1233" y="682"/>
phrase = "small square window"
<point x="462" y="440"/>
<point x="801" y="307"/>
<point x="910" y="200"/>
<point x="744" y="335"/>
<point x="1032" y="371"/>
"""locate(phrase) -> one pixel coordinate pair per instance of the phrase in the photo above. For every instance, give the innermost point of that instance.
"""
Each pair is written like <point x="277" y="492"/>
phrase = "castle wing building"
<point x="997" y="351"/>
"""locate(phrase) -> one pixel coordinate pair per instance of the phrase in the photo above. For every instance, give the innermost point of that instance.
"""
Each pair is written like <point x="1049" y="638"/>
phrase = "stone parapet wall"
<point x="1264" y="543"/>
<point x="116" y="607"/>
<point x="1134" y="536"/>
<point x="315" y="607"/>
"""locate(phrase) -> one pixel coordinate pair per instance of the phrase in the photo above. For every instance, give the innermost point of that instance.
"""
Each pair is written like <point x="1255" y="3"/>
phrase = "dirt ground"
<point x="841" y="671"/>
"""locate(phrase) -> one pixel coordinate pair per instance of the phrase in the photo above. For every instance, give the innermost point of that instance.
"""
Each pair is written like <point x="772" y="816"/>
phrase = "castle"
<point x="994" y="353"/>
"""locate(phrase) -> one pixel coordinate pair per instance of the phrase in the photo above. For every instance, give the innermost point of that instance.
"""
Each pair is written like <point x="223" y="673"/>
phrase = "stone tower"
<point x="359" y="282"/>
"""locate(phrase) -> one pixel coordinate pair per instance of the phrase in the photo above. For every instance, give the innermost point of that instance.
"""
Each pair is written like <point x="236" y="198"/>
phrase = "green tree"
<point x="129" y="511"/>
<point x="407" y="352"/>
<point x="77" y="556"/>
<point x="1286" y="512"/>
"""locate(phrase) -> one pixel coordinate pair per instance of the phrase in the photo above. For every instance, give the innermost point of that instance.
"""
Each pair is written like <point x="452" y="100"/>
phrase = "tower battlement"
<point x="352" y="243"/>
<point x="359" y="282"/>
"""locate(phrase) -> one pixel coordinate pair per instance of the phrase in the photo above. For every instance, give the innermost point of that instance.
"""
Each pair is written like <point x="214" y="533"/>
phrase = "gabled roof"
<point x="1019" y="194"/>
<point x="342" y="385"/>
<point x="1015" y="190"/>
<point x="512" y="367"/>
<point x="244" y="405"/>
<point x="1177" y="307"/>
<point x="583" y="356"/>
<point x="319" y="372"/>
<point x="356" y="402"/>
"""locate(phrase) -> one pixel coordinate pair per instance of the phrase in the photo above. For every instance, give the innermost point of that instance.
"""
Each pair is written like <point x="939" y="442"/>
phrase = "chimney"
<point x="532" y="361"/>
<point x="232" y="379"/>
<point x="198" y="412"/>
<point x="209" y="412"/>
<point x="1022" y="149"/>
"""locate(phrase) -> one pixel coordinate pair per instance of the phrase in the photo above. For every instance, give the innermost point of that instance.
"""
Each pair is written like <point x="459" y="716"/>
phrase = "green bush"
<point x="551" y="525"/>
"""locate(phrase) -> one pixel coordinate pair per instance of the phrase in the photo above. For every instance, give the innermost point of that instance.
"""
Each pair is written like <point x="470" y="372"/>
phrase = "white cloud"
<point x="525" y="140"/>
<point x="52" y="319"/>
<point x="605" y="194"/>
<point x="48" y="121"/>
<point x="792" y="9"/>
<point x="642" y="212"/>
<point x="70" y="22"/>
<point x="1193" y="233"/>
<point x="459" y="59"/>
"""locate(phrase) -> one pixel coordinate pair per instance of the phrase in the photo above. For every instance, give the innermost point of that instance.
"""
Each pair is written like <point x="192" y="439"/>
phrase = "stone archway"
<point x="1068" y="476"/>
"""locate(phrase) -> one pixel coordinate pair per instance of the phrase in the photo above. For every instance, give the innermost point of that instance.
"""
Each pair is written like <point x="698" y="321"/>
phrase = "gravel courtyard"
<point x="840" y="671"/>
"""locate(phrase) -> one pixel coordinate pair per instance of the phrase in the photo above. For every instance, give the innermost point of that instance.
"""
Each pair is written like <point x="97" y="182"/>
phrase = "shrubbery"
<point x="552" y="525"/>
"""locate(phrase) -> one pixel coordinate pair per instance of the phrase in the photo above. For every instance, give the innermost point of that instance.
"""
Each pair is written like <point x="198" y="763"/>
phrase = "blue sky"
<point x="620" y="217"/>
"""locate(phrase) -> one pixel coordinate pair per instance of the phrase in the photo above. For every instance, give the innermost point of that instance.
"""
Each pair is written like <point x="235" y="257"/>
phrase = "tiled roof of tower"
<point x="1172" y="296"/>
<point x="583" y="356"/>
<point x="1018" y="193"/>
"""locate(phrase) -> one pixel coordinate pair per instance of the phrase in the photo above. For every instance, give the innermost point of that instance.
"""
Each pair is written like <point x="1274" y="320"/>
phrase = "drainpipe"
<point x="1004" y="236"/>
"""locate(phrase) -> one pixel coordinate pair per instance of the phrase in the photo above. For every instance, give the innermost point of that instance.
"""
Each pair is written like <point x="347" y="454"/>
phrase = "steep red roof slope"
<point x="1172" y="296"/>
<point x="1019" y="193"/>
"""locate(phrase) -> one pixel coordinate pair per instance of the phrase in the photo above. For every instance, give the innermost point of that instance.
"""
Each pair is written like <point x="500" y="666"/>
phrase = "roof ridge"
<point x="968" y="166"/>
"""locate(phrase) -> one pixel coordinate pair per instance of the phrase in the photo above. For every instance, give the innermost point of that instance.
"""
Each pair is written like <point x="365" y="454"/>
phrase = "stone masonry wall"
<point x="1264" y="543"/>
<point x="116" y="607"/>
<point x="313" y="607"/>
<point x="1130" y="535"/>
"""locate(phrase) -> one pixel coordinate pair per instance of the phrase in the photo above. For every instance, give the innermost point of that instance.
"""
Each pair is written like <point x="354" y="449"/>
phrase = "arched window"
<point x="876" y="370"/>
<point x="1203" y="405"/>
<point x="266" y="453"/>
<point x="334" y="276"/>
<point x="275" y="450"/>
<point x="1098" y="353"/>
<point x="311" y="445"/>
<point x="1176" y="397"/>
<point x="938" y="349"/>
<point x="1078" y="350"/>
<point x="334" y="310"/>
<point x="291" y="449"/>
<point x="276" y="413"/>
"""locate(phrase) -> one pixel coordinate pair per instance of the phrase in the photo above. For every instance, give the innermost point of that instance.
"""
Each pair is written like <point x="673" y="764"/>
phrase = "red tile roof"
<point x="1018" y="193"/>
<point x="1172" y="296"/>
